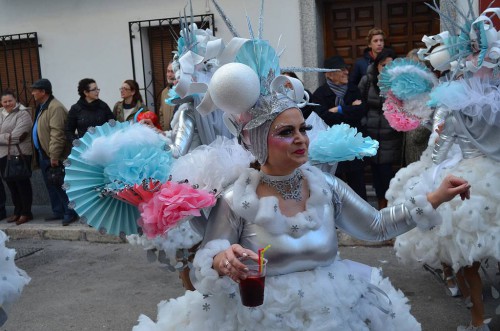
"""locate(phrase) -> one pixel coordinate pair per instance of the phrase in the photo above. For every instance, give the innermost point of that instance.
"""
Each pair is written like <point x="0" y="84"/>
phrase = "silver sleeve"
<point x="359" y="219"/>
<point x="444" y="141"/>
<point x="185" y="131"/>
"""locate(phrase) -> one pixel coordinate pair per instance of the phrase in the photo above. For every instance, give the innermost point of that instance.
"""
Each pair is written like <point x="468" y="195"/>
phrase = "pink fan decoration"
<point x="396" y="116"/>
<point x="172" y="203"/>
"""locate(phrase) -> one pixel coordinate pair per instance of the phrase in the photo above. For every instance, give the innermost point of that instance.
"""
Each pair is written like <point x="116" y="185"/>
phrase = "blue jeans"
<point x="58" y="197"/>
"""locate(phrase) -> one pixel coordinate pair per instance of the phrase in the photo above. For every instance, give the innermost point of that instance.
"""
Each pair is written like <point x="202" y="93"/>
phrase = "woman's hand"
<point x="227" y="262"/>
<point x="449" y="188"/>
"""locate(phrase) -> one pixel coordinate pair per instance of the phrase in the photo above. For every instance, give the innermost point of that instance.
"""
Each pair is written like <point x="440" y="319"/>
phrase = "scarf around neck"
<point x="339" y="90"/>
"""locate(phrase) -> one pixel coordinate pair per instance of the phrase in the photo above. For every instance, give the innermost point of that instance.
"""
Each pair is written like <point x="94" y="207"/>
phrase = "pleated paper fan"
<point x="138" y="193"/>
<point x="85" y="186"/>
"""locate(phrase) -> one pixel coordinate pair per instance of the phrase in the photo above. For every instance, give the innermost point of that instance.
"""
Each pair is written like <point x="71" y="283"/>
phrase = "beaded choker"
<point x="289" y="186"/>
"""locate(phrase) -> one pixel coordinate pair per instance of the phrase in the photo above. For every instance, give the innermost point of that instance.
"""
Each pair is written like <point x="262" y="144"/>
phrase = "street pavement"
<point x="82" y="285"/>
<point x="82" y="280"/>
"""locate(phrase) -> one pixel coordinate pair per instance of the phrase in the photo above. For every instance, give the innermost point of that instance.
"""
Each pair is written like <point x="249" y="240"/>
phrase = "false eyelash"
<point x="308" y="127"/>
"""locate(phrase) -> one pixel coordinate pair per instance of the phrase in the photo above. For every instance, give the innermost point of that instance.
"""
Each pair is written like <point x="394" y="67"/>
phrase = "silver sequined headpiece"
<point x="261" y="116"/>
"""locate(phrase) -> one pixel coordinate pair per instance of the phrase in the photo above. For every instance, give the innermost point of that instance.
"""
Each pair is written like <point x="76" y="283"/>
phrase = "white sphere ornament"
<point x="234" y="88"/>
<point x="440" y="58"/>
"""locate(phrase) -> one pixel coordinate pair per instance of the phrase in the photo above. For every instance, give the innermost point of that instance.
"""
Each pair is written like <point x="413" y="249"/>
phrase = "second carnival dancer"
<point x="284" y="201"/>
<point x="468" y="116"/>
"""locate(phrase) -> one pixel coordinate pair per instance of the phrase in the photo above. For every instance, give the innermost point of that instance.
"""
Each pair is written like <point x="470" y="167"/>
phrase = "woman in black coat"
<point x="89" y="111"/>
<point x="377" y="127"/>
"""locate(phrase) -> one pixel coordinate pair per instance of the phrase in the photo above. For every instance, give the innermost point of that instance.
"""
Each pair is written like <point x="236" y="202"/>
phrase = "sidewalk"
<point x="40" y="229"/>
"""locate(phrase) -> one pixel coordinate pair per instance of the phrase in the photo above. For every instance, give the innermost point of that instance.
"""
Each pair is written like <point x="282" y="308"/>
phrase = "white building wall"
<point x="90" y="38"/>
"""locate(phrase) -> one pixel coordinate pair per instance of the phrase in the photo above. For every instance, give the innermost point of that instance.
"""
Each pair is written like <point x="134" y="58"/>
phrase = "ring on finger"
<point x="226" y="264"/>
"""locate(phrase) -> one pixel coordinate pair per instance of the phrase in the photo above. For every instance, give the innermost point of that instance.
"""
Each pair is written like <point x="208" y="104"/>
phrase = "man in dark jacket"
<point x="375" y="40"/>
<point x="340" y="102"/>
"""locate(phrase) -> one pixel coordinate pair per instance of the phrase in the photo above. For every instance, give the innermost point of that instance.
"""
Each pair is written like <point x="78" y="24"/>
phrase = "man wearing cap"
<point x="51" y="145"/>
<point x="340" y="102"/>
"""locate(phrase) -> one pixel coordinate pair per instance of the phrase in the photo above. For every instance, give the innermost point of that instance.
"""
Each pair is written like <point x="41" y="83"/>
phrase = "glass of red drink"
<point x="252" y="288"/>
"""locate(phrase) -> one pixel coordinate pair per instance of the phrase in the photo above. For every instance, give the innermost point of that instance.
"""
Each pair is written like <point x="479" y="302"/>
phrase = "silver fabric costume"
<point x="193" y="129"/>
<point x="316" y="247"/>
<point x="453" y="134"/>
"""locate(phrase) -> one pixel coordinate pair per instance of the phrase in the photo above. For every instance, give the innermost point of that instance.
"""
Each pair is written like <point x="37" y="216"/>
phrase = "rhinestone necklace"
<point x="289" y="186"/>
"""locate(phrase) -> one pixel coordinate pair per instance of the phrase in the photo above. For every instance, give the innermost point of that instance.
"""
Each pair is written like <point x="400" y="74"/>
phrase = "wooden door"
<point x="346" y="24"/>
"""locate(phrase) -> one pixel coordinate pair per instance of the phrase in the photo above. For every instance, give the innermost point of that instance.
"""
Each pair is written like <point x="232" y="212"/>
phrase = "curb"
<point x="41" y="230"/>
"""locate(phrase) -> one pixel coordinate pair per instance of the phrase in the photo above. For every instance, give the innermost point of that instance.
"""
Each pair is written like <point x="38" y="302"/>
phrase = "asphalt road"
<point x="79" y="285"/>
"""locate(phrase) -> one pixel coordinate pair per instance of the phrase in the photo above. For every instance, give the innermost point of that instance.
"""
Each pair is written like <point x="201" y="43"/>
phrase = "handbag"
<point x="16" y="167"/>
<point x="55" y="175"/>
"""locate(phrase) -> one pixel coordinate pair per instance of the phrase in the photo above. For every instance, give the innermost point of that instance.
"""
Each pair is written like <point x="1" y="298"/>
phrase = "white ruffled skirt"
<point x="470" y="230"/>
<point x="12" y="279"/>
<point x="343" y="296"/>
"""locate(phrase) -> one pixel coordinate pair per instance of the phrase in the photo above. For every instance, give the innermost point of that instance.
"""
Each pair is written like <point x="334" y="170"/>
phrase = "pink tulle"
<point x="398" y="119"/>
<point x="171" y="204"/>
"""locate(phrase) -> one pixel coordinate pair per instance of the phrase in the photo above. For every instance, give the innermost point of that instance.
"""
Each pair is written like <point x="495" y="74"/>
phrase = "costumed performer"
<point x="295" y="207"/>
<point x="470" y="232"/>
<point x="307" y="287"/>
<point x="12" y="279"/>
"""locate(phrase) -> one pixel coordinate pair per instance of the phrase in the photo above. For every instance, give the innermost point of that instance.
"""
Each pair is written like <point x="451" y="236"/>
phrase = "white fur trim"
<point x="421" y="211"/>
<point x="204" y="277"/>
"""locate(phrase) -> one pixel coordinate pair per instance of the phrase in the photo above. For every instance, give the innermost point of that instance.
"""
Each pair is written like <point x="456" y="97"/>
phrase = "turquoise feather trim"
<point x="406" y="79"/>
<point x="341" y="143"/>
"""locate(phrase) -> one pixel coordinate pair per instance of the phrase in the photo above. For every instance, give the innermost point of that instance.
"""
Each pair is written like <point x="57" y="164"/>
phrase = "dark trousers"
<point x="20" y="192"/>
<point x="58" y="198"/>
<point x="3" y="200"/>
<point x="352" y="172"/>
<point x="382" y="175"/>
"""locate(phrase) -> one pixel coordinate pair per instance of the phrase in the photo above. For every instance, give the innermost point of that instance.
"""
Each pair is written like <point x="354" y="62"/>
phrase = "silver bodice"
<point x="307" y="240"/>
<point x="452" y="134"/>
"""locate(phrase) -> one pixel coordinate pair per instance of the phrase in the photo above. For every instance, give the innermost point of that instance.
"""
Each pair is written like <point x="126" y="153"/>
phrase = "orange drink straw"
<point x="261" y="257"/>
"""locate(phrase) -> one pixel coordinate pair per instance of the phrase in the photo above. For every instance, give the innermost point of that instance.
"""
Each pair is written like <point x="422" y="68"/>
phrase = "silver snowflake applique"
<point x="412" y="200"/>
<point x="420" y="211"/>
<point x="247" y="181"/>
<point x="206" y="307"/>
<point x="300" y="293"/>
<point x="295" y="228"/>
<point x="246" y="204"/>
<point x="331" y="275"/>
<point x="325" y="310"/>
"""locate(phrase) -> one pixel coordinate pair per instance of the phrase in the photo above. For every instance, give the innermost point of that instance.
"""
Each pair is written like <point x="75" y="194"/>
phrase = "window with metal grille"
<point x="20" y="65"/>
<point x="152" y="43"/>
